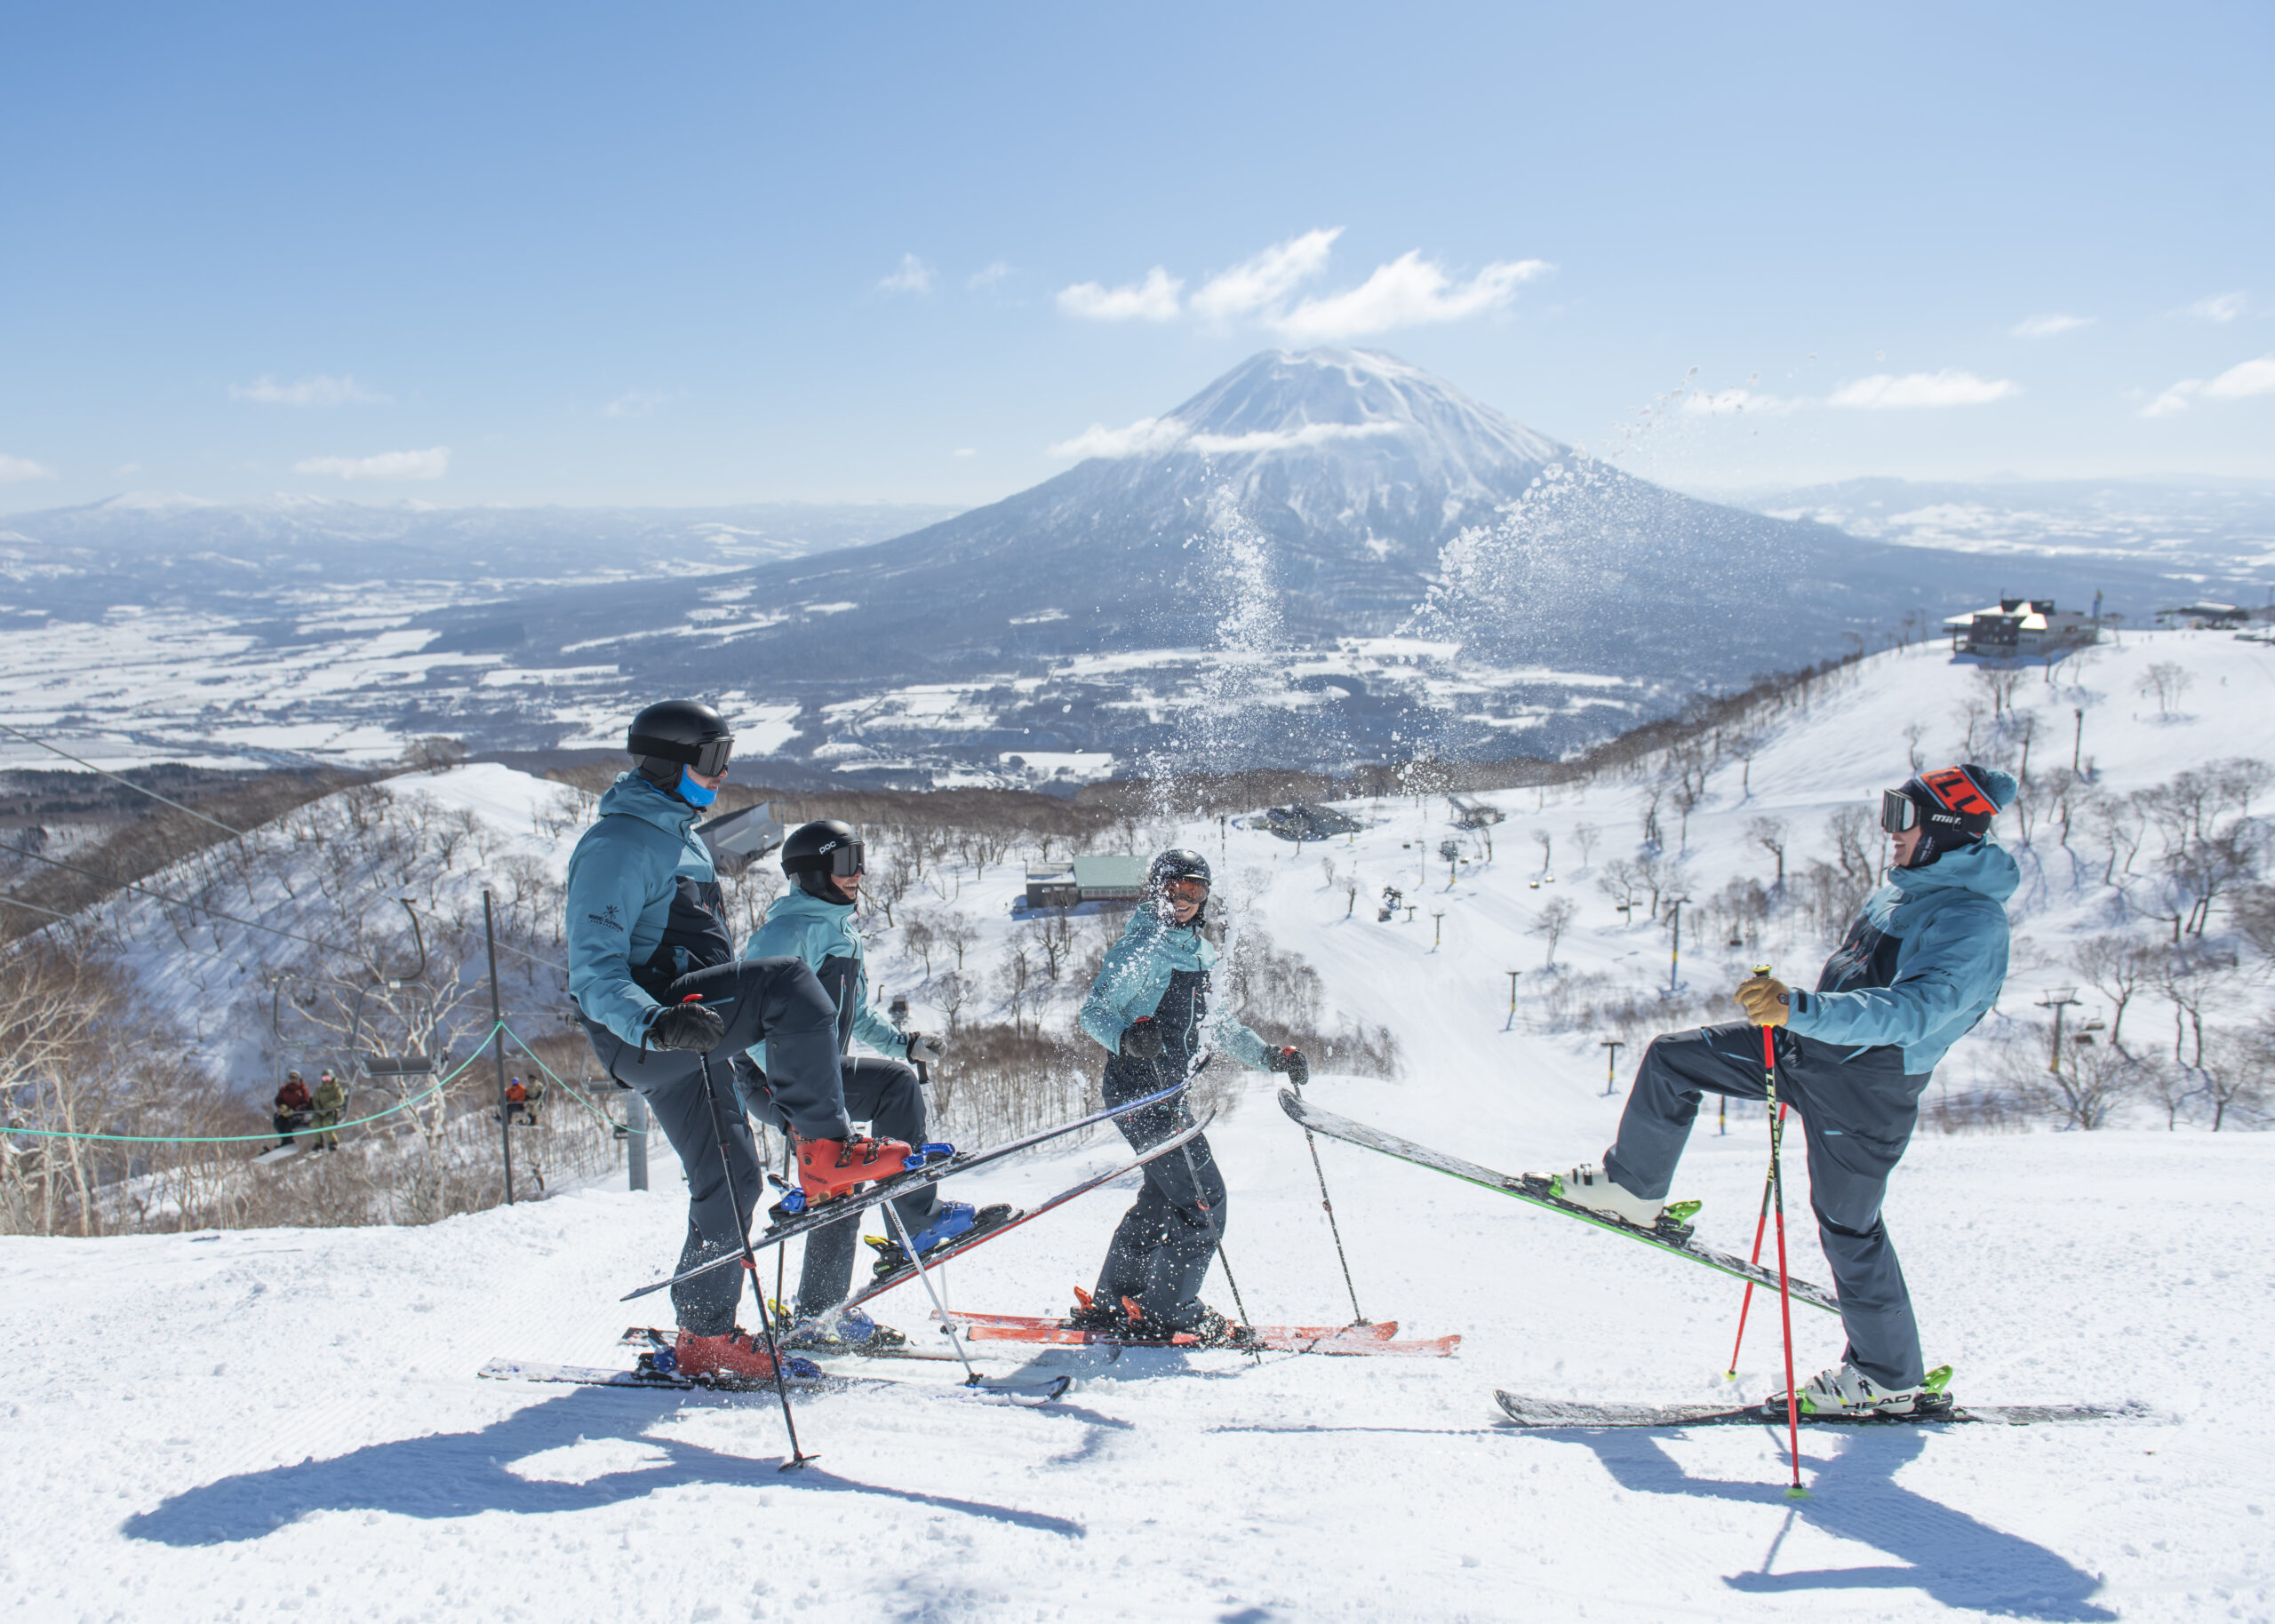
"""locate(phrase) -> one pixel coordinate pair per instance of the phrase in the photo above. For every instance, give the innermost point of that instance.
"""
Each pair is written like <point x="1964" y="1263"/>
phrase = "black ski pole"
<point x="1298" y="1071"/>
<point x="940" y="1306"/>
<point x="798" y="1456"/>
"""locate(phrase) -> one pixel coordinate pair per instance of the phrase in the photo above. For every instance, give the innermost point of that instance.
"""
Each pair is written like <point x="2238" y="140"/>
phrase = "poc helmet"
<point x="817" y="853"/>
<point x="676" y="734"/>
<point x="1176" y="864"/>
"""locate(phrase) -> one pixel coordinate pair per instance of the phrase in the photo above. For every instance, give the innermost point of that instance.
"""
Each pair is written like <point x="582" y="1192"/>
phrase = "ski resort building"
<point x="1303" y="822"/>
<point x="2023" y="628"/>
<point x="1114" y="883"/>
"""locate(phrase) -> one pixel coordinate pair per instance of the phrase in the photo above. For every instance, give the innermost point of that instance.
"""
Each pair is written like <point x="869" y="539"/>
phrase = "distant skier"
<point x="330" y="1099"/>
<point x="1149" y="1010"/>
<point x="1923" y="961"/>
<point x="293" y="1107"/>
<point x="814" y="923"/>
<point x="653" y="971"/>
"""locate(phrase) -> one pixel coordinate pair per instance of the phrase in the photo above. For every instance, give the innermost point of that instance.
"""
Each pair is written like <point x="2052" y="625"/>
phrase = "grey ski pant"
<point x="774" y="999"/>
<point x="1856" y="1116"/>
<point x="1163" y="1248"/>
<point x="884" y="1094"/>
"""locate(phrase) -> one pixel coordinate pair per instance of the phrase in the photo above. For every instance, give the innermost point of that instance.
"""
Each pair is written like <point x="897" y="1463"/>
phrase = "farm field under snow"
<point x="289" y="1421"/>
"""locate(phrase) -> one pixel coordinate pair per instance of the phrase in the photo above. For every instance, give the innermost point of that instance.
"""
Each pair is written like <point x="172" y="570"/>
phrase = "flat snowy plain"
<point x="288" y="1422"/>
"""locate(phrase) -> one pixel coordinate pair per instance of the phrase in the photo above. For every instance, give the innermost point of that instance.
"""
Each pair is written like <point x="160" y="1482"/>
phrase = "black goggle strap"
<point x="708" y="760"/>
<point x="1898" y="812"/>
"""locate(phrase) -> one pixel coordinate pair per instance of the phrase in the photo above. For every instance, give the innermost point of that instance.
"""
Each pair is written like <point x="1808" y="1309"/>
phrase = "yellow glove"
<point x="1763" y="998"/>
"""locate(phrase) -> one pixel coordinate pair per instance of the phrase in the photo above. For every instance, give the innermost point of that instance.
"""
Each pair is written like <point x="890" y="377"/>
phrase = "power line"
<point x="128" y="783"/>
<point x="503" y="947"/>
<point x="128" y="884"/>
<point x="36" y="907"/>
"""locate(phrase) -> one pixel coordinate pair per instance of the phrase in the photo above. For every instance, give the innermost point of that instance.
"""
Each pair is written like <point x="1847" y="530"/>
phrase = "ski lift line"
<point x="128" y="783"/>
<point x="36" y="907"/>
<point x="128" y="884"/>
<point x="440" y="1083"/>
<point x="503" y="947"/>
<point x="576" y="1092"/>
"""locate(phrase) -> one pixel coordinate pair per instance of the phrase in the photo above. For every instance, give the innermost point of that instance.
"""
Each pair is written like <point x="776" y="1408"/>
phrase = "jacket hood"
<point x="633" y="796"/>
<point x="1986" y="867"/>
<point x="796" y="905"/>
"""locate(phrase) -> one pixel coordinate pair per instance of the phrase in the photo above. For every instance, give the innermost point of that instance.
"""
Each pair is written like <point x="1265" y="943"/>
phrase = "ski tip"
<point x="1291" y="1105"/>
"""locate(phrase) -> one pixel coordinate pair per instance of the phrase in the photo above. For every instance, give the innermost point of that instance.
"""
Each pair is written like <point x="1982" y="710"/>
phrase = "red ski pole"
<point x="1760" y="1228"/>
<point x="1784" y="1291"/>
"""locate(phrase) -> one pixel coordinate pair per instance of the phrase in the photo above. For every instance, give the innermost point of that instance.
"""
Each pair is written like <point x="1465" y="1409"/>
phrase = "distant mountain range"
<point x="1323" y="557"/>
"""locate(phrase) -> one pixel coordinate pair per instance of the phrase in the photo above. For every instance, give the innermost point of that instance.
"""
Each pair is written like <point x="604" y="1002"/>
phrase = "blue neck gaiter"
<point x="692" y="793"/>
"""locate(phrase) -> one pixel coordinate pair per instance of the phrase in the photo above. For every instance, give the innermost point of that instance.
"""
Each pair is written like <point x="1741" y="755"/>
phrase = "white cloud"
<point x="321" y="390"/>
<point x="988" y="275"/>
<point x="1257" y="283"/>
<point x="1145" y="435"/>
<point x="15" y="468"/>
<point x="2249" y="378"/>
<point x="2238" y="382"/>
<point x="913" y="276"/>
<point x="1706" y="402"/>
<point x="2220" y="308"/>
<point x="2052" y="325"/>
<point x="1409" y="291"/>
<point x="1286" y="439"/>
<point x="431" y="463"/>
<point x="1885" y="390"/>
<point x="637" y="403"/>
<point x="965" y="451"/>
<point x="1154" y="300"/>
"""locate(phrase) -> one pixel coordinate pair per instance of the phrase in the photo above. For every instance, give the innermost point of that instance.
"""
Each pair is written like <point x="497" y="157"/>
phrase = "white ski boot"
<point x="1590" y="1186"/>
<point x="1850" y="1391"/>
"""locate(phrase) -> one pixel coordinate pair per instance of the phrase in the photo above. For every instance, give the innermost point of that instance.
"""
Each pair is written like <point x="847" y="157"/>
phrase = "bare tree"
<point x="1585" y="835"/>
<point x="1552" y="922"/>
<point x="1018" y="973"/>
<point x="1769" y="834"/>
<point x="2236" y="1072"/>
<point x="2166" y="682"/>
<point x="950" y="993"/>
<point x="957" y="932"/>
<point x="916" y="936"/>
<point x="2116" y="967"/>
<point x="2082" y="1094"/>
<point x="1620" y="881"/>
<point x="1542" y="838"/>
<point x="2000" y="683"/>
<point x="1913" y="732"/>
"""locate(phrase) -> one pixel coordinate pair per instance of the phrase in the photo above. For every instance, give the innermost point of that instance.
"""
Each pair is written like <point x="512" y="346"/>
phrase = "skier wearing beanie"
<point x="1922" y="962"/>
<point x="1149" y="1010"/>
<point x="670" y="1011"/>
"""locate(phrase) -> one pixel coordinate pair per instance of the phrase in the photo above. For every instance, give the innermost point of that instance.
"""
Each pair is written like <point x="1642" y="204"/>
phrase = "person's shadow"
<point x="461" y="1474"/>
<point x="1953" y="1558"/>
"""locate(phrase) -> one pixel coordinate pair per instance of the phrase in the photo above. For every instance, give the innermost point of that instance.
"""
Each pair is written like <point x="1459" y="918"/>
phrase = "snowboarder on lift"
<point x="663" y="998"/>
<point x="1149" y="1010"/>
<point x="331" y="1101"/>
<point x="814" y="923"/>
<point x="294" y="1107"/>
<point x="1922" y="961"/>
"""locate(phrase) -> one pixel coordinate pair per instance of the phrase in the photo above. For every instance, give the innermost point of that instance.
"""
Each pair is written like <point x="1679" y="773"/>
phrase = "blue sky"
<point x="681" y="253"/>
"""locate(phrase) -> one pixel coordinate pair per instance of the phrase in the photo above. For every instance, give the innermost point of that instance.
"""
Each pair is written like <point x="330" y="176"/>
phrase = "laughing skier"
<point x="1922" y="962"/>
<point x="1149" y="1009"/>
<point x="661" y="995"/>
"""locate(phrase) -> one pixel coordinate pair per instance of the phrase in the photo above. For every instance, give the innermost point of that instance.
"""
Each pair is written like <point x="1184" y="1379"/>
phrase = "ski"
<point x="1539" y="1189"/>
<point x="1551" y="1412"/>
<point x="1351" y="1339"/>
<point x="946" y="1164"/>
<point x="646" y="1376"/>
<point x="644" y="1336"/>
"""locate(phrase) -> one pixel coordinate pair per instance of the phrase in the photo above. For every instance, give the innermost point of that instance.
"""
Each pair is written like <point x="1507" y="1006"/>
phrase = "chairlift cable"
<point x="128" y="884"/>
<point x="128" y="783"/>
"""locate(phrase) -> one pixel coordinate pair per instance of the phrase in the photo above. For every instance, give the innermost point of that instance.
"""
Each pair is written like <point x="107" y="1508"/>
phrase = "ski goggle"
<point x="1899" y="813"/>
<point x="707" y="760"/>
<point x="1185" y="889"/>
<point x="848" y="857"/>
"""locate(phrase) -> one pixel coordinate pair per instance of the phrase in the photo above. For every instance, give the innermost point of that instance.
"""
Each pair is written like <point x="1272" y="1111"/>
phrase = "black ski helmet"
<point x="817" y="852"/>
<point x="1178" y="862"/>
<point x="676" y="733"/>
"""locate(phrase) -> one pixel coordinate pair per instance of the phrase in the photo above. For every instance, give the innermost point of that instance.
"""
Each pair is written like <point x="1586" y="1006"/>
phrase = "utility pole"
<point x="2077" y="738"/>
<point x="2058" y="1000"/>
<point x="1675" y="958"/>
<point x="1512" y="1000"/>
<point x="497" y="1035"/>
<point x="1611" y="1065"/>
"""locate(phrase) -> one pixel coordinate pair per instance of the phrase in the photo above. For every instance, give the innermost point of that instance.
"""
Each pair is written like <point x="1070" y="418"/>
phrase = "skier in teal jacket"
<point x="1150" y="1010"/>
<point x="1923" y="961"/>
<point x="815" y="924"/>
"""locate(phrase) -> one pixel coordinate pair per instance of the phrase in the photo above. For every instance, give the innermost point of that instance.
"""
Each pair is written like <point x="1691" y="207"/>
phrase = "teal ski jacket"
<point x="1947" y="923"/>
<point x="1137" y="972"/>
<point x="644" y="905"/>
<point x="801" y="926"/>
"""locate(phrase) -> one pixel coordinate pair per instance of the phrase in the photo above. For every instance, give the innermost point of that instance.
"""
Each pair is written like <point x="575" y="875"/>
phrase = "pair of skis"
<point x="1376" y="1339"/>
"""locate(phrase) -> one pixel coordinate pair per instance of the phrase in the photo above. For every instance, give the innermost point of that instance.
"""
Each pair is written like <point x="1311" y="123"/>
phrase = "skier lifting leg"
<point x="1149" y="1011"/>
<point x="670" y="1011"/>
<point x="1922" y="961"/>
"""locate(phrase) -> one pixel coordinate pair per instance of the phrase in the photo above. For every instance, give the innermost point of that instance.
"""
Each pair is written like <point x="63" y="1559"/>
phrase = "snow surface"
<point x="288" y="1422"/>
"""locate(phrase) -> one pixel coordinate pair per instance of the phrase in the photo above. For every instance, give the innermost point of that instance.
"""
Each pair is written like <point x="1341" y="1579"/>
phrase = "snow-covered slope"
<point x="288" y="1420"/>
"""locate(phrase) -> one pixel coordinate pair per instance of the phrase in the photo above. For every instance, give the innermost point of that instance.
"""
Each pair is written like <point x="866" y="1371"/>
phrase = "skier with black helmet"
<point x="1922" y="961"/>
<point x="1149" y="1009"/>
<point x="670" y="1011"/>
<point x="814" y="923"/>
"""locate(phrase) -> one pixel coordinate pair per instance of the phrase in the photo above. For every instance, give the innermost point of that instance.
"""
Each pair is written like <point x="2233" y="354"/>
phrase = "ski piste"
<point x="1553" y="1413"/>
<point x="1375" y="1339"/>
<point x="965" y="1242"/>
<point x="600" y="1375"/>
<point x="945" y="1167"/>
<point x="1535" y="1187"/>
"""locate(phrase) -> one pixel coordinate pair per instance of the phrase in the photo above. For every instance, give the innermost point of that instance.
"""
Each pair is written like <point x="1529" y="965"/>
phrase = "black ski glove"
<point x="1292" y="1061"/>
<point x="685" y="1026"/>
<point x="1141" y="1039"/>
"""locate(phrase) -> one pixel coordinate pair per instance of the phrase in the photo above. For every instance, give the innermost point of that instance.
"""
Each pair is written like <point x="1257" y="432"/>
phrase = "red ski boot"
<point x="828" y="1168"/>
<point x="738" y="1354"/>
